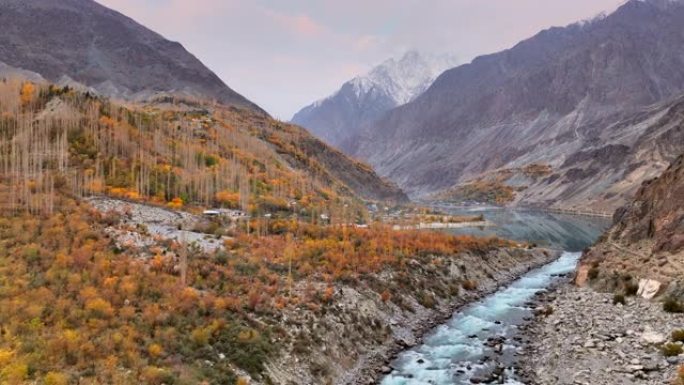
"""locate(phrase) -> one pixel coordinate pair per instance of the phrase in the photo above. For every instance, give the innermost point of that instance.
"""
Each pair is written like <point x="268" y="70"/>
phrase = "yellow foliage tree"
<point x="200" y="336"/>
<point x="100" y="308"/>
<point x="28" y="91"/>
<point x="6" y="357"/>
<point x="155" y="350"/>
<point x="228" y="198"/>
<point x="176" y="203"/>
<point x="15" y="373"/>
<point x="54" y="378"/>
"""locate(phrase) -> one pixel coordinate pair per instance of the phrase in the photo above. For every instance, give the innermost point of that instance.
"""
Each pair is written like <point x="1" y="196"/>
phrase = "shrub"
<point x="545" y="311"/>
<point x="99" y="308"/>
<point x="454" y="290"/>
<point x="157" y="376"/>
<point x="249" y="349"/>
<point x="110" y="218"/>
<point x="6" y="356"/>
<point x="155" y="350"/>
<point x="678" y="335"/>
<point x="210" y="160"/>
<point x="15" y="373"/>
<point x="469" y="285"/>
<point x="671" y="349"/>
<point x="631" y="289"/>
<point x="427" y="300"/>
<point x="200" y="336"/>
<point x="593" y="273"/>
<point x="618" y="299"/>
<point x="54" y="378"/>
<point x="671" y="305"/>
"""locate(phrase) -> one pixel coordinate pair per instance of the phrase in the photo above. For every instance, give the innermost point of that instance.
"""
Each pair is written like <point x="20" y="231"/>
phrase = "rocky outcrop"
<point x="646" y="240"/>
<point x="74" y="42"/>
<point x="576" y="98"/>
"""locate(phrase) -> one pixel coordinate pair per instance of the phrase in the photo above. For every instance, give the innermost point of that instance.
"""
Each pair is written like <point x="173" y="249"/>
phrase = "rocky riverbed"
<point x="589" y="340"/>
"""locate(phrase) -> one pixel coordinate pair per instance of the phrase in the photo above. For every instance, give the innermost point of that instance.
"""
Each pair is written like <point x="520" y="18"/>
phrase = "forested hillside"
<point x="167" y="153"/>
<point x="78" y="305"/>
<point x="74" y="309"/>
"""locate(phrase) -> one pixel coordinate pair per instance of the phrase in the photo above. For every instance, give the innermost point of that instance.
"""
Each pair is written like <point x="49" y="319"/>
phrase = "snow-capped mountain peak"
<point x="406" y="78"/>
<point x="393" y="83"/>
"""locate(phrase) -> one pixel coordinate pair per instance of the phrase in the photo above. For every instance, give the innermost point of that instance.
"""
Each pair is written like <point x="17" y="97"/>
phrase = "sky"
<point x="285" y="54"/>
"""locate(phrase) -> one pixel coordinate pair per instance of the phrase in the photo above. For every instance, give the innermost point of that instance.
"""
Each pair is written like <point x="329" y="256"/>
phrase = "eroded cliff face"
<point x="646" y="240"/>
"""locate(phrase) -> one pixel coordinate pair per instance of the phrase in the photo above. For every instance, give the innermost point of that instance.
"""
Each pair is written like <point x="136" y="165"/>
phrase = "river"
<point x="481" y="338"/>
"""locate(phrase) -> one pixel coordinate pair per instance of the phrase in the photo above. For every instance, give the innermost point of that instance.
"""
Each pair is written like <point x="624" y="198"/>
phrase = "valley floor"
<point x="589" y="340"/>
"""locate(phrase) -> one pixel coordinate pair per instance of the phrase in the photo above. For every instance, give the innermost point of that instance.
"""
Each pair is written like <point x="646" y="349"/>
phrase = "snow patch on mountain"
<point x="402" y="79"/>
<point x="339" y="118"/>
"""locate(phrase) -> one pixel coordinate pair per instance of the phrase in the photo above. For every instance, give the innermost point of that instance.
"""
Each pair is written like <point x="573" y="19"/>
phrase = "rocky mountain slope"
<point x="81" y="42"/>
<point x="598" y="178"/>
<point x="562" y="97"/>
<point x="338" y="118"/>
<point x="646" y="240"/>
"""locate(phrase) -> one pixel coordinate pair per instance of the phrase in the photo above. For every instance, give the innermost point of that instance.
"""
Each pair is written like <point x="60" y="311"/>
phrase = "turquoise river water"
<point x="481" y="338"/>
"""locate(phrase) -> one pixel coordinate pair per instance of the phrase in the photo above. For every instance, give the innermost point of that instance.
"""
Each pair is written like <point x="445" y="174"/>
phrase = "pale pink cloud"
<point x="300" y="24"/>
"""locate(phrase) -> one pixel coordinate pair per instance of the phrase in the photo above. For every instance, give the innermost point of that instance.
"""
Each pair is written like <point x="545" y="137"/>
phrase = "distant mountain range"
<point x="82" y="43"/>
<point x="338" y="119"/>
<point x="595" y="104"/>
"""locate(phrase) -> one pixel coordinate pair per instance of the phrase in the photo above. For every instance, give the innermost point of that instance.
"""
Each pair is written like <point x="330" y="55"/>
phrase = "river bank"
<point x="587" y="339"/>
<point x="378" y="364"/>
<point x="357" y="337"/>
<point x="441" y="225"/>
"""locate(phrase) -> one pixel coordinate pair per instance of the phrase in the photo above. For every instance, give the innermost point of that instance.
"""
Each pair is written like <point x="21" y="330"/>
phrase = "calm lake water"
<point x="560" y="231"/>
<point x="463" y="348"/>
